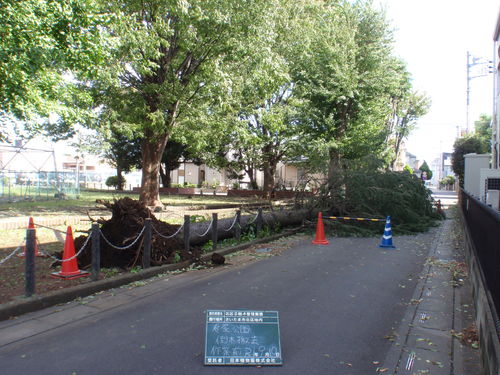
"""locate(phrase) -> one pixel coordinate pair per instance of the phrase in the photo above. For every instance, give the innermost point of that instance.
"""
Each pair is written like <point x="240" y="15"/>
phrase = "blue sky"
<point x="433" y="37"/>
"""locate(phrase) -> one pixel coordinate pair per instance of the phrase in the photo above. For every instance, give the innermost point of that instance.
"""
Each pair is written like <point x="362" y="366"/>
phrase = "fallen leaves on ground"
<point x="468" y="336"/>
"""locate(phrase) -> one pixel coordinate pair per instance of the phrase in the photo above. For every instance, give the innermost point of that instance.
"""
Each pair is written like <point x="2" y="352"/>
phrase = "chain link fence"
<point x="20" y="185"/>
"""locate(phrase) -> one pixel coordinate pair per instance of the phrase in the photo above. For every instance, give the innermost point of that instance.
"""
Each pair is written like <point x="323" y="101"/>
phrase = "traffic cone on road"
<point x="387" y="237"/>
<point x="320" y="232"/>
<point x="69" y="268"/>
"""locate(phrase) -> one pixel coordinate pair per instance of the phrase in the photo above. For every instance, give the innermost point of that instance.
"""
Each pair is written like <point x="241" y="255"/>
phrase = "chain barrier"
<point x="70" y="258"/>
<point x="124" y="247"/>
<point x="54" y="229"/>
<point x="57" y="232"/>
<point x="13" y="253"/>
<point x="206" y="232"/>
<point x="167" y="237"/>
<point x="232" y="225"/>
<point x="254" y="219"/>
<point x="44" y="253"/>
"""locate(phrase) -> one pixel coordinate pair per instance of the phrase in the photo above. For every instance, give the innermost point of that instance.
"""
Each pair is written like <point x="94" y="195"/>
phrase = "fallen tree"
<point x="377" y="194"/>
<point x="121" y="240"/>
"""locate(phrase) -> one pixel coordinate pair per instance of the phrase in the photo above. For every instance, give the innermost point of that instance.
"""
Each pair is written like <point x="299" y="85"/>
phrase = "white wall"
<point x="472" y="175"/>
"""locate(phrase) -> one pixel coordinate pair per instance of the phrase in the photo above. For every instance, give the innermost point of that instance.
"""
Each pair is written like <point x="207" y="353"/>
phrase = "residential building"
<point x="443" y="167"/>
<point x="482" y="172"/>
<point x="412" y="161"/>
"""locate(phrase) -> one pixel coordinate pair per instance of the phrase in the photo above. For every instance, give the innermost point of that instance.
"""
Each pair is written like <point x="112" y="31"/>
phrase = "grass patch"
<point x="248" y="236"/>
<point x="87" y="201"/>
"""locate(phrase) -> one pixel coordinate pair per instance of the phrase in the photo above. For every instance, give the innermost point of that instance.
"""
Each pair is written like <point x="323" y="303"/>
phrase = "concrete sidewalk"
<point x="426" y="342"/>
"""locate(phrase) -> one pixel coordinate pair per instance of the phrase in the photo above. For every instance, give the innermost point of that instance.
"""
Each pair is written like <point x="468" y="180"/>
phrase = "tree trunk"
<point x="120" y="180"/>
<point x="333" y="166"/>
<point x="269" y="171"/>
<point x="166" y="180"/>
<point x="251" y="175"/>
<point x="152" y="148"/>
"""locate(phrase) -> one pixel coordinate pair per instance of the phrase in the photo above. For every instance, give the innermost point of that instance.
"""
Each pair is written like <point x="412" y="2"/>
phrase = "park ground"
<point x="14" y="220"/>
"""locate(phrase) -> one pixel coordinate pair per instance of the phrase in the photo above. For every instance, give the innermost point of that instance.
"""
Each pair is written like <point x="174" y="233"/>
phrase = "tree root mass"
<point x="126" y="223"/>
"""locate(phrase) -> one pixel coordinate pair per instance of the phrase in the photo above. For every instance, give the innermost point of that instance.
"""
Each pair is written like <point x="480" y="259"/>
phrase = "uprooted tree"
<point x="376" y="194"/>
<point x="124" y="227"/>
<point x="122" y="239"/>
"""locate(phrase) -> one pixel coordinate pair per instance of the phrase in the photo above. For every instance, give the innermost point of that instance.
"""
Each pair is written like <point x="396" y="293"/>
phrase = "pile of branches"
<point x="378" y="194"/>
<point x="126" y="223"/>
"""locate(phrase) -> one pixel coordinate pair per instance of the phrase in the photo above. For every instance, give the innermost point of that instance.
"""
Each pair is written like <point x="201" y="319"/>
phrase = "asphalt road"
<point x="447" y="198"/>
<point x="338" y="306"/>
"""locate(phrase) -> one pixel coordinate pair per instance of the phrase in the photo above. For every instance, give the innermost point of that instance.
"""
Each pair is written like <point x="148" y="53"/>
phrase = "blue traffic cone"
<point x="387" y="237"/>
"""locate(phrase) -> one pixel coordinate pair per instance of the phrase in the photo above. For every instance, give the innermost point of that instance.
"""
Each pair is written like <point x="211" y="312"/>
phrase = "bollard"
<point x="96" y="252"/>
<point x="187" y="220"/>
<point x="214" y="231"/>
<point x="237" y="226"/>
<point x="146" y="254"/>
<point x="29" y="289"/>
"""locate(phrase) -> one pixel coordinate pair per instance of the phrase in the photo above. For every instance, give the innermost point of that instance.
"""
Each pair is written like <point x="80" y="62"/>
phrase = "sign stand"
<point x="242" y="338"/>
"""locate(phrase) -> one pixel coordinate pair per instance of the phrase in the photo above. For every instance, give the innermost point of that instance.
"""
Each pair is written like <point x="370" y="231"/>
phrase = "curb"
<point x="30" y="304"/>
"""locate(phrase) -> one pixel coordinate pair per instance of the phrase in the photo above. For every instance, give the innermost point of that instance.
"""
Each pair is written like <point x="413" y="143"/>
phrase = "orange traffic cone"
<point x="31" y="225"/>
<point x="69" y="268"/>
<point x="320" y="232"/>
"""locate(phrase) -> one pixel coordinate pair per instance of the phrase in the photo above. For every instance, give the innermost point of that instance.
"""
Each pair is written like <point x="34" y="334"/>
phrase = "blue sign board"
<point x="242" y="338"/>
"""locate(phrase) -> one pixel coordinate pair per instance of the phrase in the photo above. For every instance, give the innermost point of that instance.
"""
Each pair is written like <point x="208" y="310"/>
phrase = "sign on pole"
<point x="242" y="337"/>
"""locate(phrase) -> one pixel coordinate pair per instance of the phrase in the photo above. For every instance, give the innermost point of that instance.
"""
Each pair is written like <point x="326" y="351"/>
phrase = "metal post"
<point x="187" y="220"/>
<point x="146" y="254"/>
<point x="96" y="252"/>
<point x="30" y="262"/>
<point x="237" y="226"/>
<point x="259" y="220"/>
<point x="468" y="96"/>
<point x="214" y="231"/>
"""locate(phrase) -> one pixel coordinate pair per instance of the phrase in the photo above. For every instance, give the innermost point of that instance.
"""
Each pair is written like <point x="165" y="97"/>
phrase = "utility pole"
<point x="487" y="68"/>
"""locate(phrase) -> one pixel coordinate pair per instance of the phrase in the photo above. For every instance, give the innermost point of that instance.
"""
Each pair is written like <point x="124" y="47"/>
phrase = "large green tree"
<point x="258" y="131"/>
<point x="478" y="142"/>
<point x="406" y="110"/>
<point x="176" y="61"/>
<point x="124" y="154"/>
<point x="482" y="129"/>
<point x="41" y="43"/>
<point x="346" y="78"/>
<point x="265" y="136"/>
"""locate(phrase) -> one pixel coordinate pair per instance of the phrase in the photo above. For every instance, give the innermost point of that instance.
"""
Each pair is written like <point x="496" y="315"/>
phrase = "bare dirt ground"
<point x="51" y="241"/>
<point x="12" y="271"/>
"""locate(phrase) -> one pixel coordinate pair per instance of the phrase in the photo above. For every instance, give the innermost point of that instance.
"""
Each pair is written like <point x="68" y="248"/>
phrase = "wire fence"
<point x="42" y="185"/>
